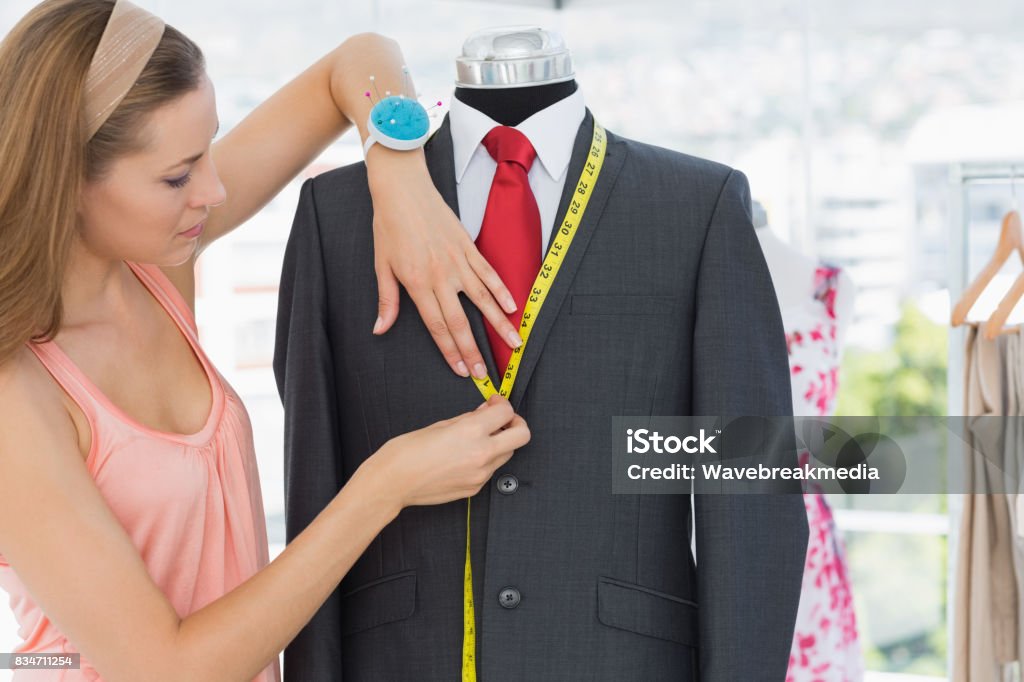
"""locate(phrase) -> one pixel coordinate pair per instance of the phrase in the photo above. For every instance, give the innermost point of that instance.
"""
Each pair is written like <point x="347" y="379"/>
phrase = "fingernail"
<point x="510" y="305"/>
<point x="463" y="371"/>
<point x="479" y="371"/>
<point x="515" y="339"/>
<point x="378" y="324"/>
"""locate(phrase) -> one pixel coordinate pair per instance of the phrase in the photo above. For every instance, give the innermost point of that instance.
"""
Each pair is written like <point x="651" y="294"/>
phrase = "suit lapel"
<point x="441" y="162"/>
<point x="614" y="157"/>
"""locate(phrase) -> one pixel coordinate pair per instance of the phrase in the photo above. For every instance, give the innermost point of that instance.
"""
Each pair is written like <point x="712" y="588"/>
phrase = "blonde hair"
<point x="45" y="158"/>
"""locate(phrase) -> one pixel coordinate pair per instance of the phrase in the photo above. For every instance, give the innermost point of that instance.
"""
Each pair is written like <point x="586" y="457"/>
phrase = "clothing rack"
<point x="962" y="178"/>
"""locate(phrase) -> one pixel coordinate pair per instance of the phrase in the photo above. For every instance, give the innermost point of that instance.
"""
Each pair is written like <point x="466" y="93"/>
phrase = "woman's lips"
<point x="194" y="232"/>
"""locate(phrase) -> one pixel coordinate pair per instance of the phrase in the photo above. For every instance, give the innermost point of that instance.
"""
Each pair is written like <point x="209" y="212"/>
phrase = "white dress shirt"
<point x="551" y="131"/>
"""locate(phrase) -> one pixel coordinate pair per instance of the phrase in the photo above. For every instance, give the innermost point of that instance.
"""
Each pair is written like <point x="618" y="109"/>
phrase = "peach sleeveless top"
<point x="191" y="504"/>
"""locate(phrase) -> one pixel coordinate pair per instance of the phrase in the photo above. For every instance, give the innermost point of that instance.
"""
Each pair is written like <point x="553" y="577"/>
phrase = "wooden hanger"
<point x="1010" y="240"/>
<point x="995" y="325"/>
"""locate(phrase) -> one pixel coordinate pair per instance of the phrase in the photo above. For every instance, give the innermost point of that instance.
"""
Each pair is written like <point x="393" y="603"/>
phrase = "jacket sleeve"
<point x="304" y="371"/>
<point x="750" y="547"/>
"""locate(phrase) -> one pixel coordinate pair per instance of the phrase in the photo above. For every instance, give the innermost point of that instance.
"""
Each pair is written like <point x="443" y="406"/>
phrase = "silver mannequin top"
<point x="512" y="57"/>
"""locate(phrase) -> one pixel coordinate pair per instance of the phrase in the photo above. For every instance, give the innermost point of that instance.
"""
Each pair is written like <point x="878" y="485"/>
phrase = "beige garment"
<point x="986" y="629"/>
<point x="1013" y="447"/>
<point x="1013" y="367"/>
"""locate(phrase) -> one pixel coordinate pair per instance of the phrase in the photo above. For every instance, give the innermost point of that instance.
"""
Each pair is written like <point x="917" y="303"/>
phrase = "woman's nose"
<point x="210" y="190"/>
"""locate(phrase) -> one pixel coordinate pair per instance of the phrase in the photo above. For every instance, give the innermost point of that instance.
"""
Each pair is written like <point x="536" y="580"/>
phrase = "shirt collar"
<point x="551" y="131"/>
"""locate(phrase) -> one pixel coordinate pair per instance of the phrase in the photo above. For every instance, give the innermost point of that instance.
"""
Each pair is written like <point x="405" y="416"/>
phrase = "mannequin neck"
<point x="512" y="106"/>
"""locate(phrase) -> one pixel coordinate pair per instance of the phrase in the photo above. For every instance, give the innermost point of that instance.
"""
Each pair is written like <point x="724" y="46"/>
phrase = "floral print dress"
<point x="825" y="647"/>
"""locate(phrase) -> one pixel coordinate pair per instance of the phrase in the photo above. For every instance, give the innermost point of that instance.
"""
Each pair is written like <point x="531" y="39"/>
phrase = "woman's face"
<point x="150" y="205"/>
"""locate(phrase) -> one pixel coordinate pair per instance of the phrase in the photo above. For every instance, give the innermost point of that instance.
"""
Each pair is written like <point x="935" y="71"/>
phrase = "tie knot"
<point x="505" y="143"/>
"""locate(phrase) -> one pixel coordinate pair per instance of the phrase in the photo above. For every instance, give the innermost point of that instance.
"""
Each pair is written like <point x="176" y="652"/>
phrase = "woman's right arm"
<point x="83" y="571"/>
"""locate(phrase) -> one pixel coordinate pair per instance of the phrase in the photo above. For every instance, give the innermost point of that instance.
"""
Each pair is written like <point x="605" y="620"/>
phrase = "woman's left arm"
<point x="418" y="239"/>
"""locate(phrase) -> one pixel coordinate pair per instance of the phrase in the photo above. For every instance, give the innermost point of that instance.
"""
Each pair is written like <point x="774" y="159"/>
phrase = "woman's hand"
<point x="448" y="460"/>
<point x="419" y="241"/>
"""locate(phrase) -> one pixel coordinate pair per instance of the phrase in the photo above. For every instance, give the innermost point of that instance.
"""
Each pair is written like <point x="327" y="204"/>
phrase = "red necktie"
<point x="510" y="233"/>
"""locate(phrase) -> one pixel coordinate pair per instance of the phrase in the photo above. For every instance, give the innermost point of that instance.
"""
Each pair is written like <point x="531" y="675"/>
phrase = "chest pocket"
<point x="605" y="352"/>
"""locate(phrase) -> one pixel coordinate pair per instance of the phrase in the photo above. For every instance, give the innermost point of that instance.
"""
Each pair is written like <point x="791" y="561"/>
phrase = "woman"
<point x="129" y="502"/>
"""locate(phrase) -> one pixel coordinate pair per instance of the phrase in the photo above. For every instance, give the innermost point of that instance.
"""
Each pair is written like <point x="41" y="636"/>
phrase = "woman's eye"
<point x="178" y="183"/>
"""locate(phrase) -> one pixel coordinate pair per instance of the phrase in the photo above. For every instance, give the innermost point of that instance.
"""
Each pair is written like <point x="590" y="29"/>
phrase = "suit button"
<point x="507" y="484"/>
<point x="509" y="597"/>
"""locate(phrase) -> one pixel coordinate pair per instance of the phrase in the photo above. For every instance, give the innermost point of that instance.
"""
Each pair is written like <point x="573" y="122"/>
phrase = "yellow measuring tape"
<point x="541" y="286"/>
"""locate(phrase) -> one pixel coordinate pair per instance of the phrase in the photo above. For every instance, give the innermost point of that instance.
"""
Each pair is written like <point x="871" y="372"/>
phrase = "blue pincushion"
<point x="401" y="120"/>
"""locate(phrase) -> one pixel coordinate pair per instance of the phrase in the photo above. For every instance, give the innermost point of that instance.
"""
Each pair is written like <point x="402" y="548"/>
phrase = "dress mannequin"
<point x="510" y="95"/>
<point x="793" y="274"/>
<point x="512" y="106"/>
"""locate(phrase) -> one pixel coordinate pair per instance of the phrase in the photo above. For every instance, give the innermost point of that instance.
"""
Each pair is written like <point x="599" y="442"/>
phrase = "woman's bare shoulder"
<point x="18" y="377"/>
<point x="30" y="400"/>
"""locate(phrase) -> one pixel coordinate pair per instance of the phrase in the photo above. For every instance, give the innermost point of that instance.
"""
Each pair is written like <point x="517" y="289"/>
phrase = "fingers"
<point x="495" y="399"/>
<point x="512" y="438"/>
<point x="465" y="415"/>
<point x="506" y="432"/>
<point x="387" y="299"/>
<point x="500" y="461"/>
<point x="478" y="292"/>
<point x="430" y="311"/>
<point x="496" y="413"/>
<point x="490" y="279"/>
<point x="460" y="331"/>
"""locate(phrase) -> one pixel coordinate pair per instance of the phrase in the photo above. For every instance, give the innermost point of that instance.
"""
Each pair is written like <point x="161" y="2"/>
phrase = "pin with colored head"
<point x="406" y="84"/>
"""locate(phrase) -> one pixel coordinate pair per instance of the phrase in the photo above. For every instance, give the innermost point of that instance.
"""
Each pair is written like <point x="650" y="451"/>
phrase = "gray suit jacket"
<point x="664" y="305"/>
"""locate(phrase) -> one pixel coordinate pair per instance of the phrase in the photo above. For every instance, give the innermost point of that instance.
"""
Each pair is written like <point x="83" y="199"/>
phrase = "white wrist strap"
<point x="366" y="145"/>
